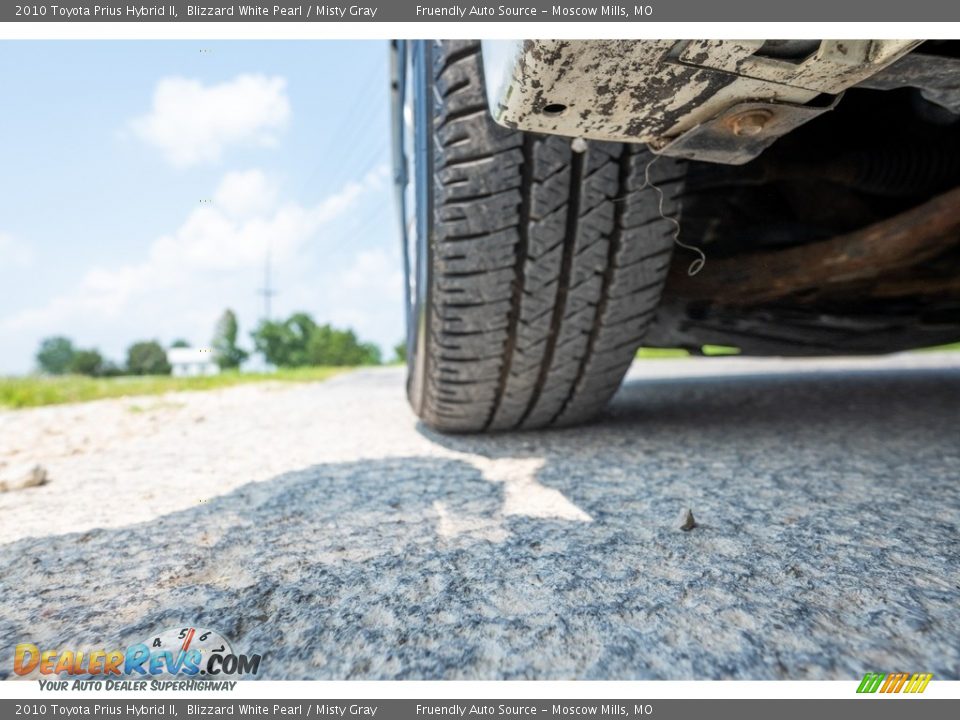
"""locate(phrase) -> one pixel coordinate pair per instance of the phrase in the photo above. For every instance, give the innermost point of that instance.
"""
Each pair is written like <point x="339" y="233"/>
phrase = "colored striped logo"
<point x="894" y="682"/>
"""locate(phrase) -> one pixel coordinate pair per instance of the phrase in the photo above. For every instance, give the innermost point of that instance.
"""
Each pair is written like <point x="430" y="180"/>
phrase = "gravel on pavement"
<point x="322" y="527"/>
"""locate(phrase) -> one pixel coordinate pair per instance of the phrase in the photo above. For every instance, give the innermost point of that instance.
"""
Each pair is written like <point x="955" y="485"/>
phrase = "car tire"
<point x="538" y="269"/>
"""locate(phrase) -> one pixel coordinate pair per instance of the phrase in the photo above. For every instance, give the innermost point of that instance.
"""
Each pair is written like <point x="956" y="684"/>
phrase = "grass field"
<point x="652" y="353"/>
<point x="35" y="390"/>
<point x="953" y="347"/>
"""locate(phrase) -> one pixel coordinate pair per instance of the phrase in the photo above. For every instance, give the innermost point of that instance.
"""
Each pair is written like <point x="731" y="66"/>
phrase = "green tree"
<point x="329" y="346"/>
<point x="55" y="355"/>
<point x="299" y="341"/>
<point x="147" y="358"/>
<point x="226" y="351"/>
<point x="179" y="343"/>
<point x="111" y="369"/>
<point x="269" y="339"/>
<point x="87" y="362"/>
<point x="400" y="352"/>
<point x="299" y="328"/>
<point x="284" y="343"/>
<point x="370" y="354"/>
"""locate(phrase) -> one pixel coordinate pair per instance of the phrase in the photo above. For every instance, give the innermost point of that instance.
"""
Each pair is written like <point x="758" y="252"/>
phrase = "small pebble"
<point x="25" y="477"/>
<point x="687" y="523"/>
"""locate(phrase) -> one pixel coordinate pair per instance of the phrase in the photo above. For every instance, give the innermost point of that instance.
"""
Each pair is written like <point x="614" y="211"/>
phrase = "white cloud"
<point x="14" y="253"/>
<point x="193" y="123"/>
<point x="374" y="270"/>
<point x="189" y="275"/>
<point x="242" y="194"/>
<point x="366" y="294"/>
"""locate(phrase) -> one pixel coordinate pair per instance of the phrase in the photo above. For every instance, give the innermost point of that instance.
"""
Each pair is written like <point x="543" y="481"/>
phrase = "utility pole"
<point x="267" y="290"/>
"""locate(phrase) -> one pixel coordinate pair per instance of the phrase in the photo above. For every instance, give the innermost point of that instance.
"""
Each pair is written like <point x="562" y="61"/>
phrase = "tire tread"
<point x="547" y="265"/>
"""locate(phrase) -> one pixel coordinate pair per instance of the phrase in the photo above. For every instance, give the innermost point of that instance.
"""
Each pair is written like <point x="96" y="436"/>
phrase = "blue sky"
<point x="141" y="184"/>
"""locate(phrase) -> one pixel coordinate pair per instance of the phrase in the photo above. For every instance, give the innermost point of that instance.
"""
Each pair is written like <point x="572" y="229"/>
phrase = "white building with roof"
<point x="192" y="362"/>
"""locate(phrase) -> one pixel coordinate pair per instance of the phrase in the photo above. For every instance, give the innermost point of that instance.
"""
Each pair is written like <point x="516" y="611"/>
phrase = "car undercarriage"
<point x="820" y="185"/>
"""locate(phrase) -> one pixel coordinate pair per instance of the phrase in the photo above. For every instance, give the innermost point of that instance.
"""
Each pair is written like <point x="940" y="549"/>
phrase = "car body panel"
<point x="678" y="96"/>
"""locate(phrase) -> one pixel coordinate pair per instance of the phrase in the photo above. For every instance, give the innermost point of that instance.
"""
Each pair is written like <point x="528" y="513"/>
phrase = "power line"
<point x="350" y="130"/>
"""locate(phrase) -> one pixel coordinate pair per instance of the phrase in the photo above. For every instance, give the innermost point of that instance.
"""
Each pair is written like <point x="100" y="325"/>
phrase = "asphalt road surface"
<point x="322" y="527"/>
